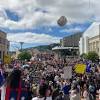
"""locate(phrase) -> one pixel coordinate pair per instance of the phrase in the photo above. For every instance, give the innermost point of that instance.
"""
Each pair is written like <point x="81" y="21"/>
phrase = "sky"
<point x="34" y="22"/>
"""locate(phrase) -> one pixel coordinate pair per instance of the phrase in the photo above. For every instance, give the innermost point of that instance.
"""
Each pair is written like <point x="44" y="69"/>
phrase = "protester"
<point x="99" y="94"/>
<point x="11" y="85"/>
<point x="60" y="96"/>
<point x="45" y="79"/>
<point x="42" y="93"/>
<point x="92" y="91"/>
<point x="74" y="93"/>
<point x="66" y="89"/>
<point x="85" y="93"/>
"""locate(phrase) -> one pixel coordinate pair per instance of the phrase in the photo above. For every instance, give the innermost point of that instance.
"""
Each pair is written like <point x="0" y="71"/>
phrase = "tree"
<point x="24" y="56"/>
<point x="93" y="56"/>
<point x="84" y="56"/>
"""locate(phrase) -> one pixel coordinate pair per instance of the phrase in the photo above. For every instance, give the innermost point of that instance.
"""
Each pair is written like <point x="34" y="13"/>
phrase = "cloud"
<point x="72" y="30"/>
<point x="79" y="11"/>
<point x="3" y="14"/>
<point x="33" y="38"/>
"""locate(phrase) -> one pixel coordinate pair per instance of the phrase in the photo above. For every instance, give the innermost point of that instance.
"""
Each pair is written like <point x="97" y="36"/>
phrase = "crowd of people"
<point x="44" y="79"/>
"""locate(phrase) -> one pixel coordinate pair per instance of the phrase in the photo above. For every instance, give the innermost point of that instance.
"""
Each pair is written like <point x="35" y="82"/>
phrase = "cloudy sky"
<point x="35" y="21"/>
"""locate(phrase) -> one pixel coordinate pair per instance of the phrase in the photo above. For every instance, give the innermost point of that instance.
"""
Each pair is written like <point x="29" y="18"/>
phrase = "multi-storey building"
<point x="90" y="41"/>
<point x="69" y="45"/>
<point x="71" y="40"/>
<point x="4" y="45"/>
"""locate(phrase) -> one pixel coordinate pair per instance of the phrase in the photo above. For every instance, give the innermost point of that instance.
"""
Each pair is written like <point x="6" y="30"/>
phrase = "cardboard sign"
<point x="7" y="59"/>
<point x="80" y="68"/>
<point x="67" y="72"/>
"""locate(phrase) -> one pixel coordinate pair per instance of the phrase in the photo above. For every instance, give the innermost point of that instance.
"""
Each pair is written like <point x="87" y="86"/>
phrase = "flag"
<point x="80" y="68"/>
<point x="88" y="68"/>
<point x="16" y="94"/>
<point x="1" y="77"/>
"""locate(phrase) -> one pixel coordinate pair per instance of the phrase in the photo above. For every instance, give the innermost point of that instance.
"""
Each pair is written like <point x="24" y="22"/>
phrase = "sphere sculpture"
<point x="62" y="21"/>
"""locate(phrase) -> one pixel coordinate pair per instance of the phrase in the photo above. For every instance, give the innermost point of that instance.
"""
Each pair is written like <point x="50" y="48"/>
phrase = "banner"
<point x="7" y="59"/>
<point x="80" y="68"/>
<point x="67" y="72"/>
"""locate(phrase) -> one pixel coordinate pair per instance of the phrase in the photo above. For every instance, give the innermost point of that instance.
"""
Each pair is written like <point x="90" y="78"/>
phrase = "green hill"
<point x="44" y="47"/>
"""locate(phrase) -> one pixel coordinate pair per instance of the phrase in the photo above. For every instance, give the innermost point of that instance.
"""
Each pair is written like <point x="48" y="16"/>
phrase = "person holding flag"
<point x="13" y="87"/>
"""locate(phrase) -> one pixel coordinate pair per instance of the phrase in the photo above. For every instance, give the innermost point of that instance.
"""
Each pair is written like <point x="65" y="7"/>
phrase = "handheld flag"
<point x="88" y="68"/>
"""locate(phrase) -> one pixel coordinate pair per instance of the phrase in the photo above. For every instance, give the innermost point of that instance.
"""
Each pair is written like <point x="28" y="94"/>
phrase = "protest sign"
<point x="80" y="68"/>
<point x="67" y="72"/>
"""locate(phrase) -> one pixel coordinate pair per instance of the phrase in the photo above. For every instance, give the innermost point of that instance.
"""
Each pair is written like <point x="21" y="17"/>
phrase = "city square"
<point x="49" y="50"/>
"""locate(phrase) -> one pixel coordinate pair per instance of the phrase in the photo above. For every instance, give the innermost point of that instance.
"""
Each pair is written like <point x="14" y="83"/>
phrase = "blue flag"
<point x="88" y="68"/>
<point x="1" y="78"/>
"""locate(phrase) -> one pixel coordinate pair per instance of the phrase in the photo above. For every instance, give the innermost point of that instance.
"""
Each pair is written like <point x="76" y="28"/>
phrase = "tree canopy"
<point x="24" y="55"/>
<point x="93" y="56"/>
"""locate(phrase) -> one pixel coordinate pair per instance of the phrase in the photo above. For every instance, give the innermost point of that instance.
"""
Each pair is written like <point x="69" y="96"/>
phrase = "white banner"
<point x="67" y="72"/>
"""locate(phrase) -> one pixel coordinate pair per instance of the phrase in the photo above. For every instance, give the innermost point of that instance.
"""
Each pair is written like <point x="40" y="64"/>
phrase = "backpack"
<point x="91" y="88"/>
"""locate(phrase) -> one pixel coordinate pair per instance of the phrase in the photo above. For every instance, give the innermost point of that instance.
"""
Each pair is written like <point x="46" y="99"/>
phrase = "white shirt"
<point x="47" y="98"/>
<point x="74" y="96"/>
<point x="36" y="98"/>
<point x="56" y="78"/>
<point x="62" y="75"/>
<point x="99" y="94"/>
<point x="3" y="92"/>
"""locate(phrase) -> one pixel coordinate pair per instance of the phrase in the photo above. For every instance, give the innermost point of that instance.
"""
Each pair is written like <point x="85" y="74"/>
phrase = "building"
<point x="69" y="45"/>
<point x="14" y="54"/>
<point x="90" y="40"/>
<point x="71" y="40"/>
<point x="4" y="45"/>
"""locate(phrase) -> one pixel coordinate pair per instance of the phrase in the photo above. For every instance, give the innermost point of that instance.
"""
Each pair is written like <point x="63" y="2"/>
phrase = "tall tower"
<point x="21" y="44"/>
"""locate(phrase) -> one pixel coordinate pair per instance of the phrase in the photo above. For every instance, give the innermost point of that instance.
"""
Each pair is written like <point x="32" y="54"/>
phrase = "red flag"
<point x="16" y="94"/>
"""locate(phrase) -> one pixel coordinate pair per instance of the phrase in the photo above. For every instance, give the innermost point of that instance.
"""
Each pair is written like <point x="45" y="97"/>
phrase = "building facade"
<point x="71" y="41"/>
<point x="90" y="41"/>
<point x="4" y="45"/>
<point x="69" y="46"/>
